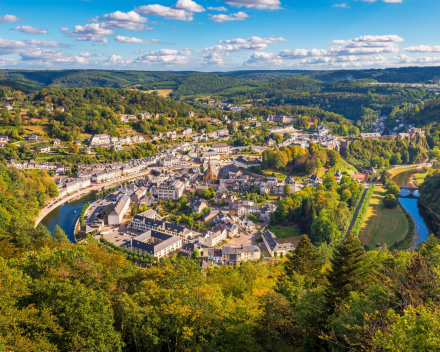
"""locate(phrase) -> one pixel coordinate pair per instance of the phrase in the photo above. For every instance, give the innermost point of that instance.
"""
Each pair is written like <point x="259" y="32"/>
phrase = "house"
<point x="212" y="239"/>
<point x="323" y="130"/>
<point x="220" y="197"/>
<point x="44" y="149"/>
<point x="273" y="245"/>
<point x="314" y="181"/>
<point x="4" y="139"/>
<point x="155" y="243"/>
<point x="209" y="217"/>
<point x="7" y="107"/>
<point x="220" y="148"/>
<point x="281" y="119"/>
<point x="198" y="204"/>
<point x="33" y="137"/>
<point x="171" y="134"/>
<point x="120" y="209"/>
<point x="100" y="140"/>
<point x="118" y="148"/>
<point x="258" y="124"/>
<point x="230" y="199"/>
<point x="191" y="114"/>
<point x="138" y="194"/>
<point x="57" y="143"/>
<point x="338" y="175"/>
<point x="151" y="214"/>
<point x="234" y="255"/>
<point x="148" y="200"/>
<point x="188" y="249"/>
<point x="270" y="142"/>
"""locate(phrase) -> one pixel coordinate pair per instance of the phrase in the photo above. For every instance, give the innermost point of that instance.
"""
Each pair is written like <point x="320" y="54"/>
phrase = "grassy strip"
<point x="353" y="210"/>
<point x="407" y="241"/>
<point x="363" y="210"/>
<point x="81" y="217"/>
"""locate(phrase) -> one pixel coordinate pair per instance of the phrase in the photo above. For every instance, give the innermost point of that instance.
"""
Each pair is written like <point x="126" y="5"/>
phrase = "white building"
<point x="273" y="244"/>
<point x="172" y="189"/>
<point x="120" y="209"/>
<point x="100" y="140"/>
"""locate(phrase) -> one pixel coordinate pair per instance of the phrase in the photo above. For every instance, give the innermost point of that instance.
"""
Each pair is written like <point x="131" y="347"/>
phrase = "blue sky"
<point x="219" y="35"/>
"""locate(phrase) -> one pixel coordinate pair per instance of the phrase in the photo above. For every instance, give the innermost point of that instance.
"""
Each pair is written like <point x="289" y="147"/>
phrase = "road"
<point x="59" y="201"/>
<point x="355" y="215"/>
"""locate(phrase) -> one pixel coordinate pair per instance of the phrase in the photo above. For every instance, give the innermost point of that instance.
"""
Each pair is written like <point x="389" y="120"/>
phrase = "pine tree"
<point x="59" y="235"/>
<point x="304" y="259"/>
<point x="348" y="271"/>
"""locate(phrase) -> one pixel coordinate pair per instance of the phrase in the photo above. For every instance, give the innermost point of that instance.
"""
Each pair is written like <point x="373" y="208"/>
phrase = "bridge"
<point x="410" y="189"/>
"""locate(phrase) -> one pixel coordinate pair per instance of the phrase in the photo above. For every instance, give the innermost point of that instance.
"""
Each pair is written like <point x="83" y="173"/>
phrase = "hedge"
<point x="363" y="210"/>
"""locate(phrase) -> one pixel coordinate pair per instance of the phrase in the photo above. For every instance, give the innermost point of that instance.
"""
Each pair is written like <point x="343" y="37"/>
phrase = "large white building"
<point x="172" y="189"/>
<point x="155" y="243"/>
<point x="145" y="223"/>
<point x="120" y="209"/>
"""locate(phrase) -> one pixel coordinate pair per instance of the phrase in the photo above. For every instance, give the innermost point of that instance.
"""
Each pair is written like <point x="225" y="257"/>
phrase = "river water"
<point x="67" y="215"/>
<point x="421" y="219"/>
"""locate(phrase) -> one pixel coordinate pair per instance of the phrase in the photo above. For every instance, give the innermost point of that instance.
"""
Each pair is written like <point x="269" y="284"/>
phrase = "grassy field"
<point x="394" y="172"/>
<point x="382" y="225"/>
<point x="37" y="129"/>
<point x="280" y="175"/>
<point x="419" y="178"/>
<point x="286" y="233"/>
<point x="162" y="92"/>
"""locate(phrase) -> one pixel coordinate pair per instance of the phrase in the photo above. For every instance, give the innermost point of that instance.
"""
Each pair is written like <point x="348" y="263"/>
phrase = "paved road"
<point x="57" y="202"/>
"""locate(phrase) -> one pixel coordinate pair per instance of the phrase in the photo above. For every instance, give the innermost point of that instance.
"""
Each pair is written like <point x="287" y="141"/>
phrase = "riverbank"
<point x="45" y="211"/>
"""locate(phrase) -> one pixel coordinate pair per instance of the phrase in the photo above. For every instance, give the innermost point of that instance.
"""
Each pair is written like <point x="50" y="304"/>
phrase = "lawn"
<point x="382" y="225"/>
<point x="37" y="129"/>
<point x="286" y="233"/>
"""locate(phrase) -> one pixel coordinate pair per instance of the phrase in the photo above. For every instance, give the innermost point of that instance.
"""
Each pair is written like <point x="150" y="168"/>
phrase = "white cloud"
<point x="264" y="59"/>
<point x="122" y="39"/>
<point x="93" y="32"/>
<point x="168" y="52"/>
<point x="16" y="46"/>
<point x="220" y="8"/>
<point x="10" y="18"/>
<point x="343" y="5"/>
<point x="255" y="4"/>
<point x="52" y="56"/>
<point x="404" y="59"/>
<point x="423" y="49"/>
<point x="64" y="29"/>
<point x="250" y="44"/>
<point x="30" y="30"/>
<point x="188" y="5"/>
<point x="117" y="60"/>
<point x="87" y="54"/>
<point x="239" y="16"/>
<point x="165" y="56"/>
<point x="165" y="12"/>
<point x="214" y="58"/>
<point x="123" y="20"/>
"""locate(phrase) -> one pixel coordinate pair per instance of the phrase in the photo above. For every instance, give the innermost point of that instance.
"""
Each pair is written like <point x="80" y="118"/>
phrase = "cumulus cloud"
<point x="404" y="59"/>
<point x="123" y="20"/>
<point x="255" y="4"/>
<point x="93" y="32"/>
<point x="122" y="39"/>
<point x="264" y="59"/>
<point x="214" y="58"/>
<point x="188" y="5"/>
<point x="250" y="44"/>
<point x="30" y="30"/>
<point x="220" y="8"/>
<point x="343" y="5"/>
<point x="52" y="56"/>
<point x="64" y="29"/>
<point x="361" y="49"/>
<point x="87" y="54"/>
<point x="10" y="18"/>
<point x="165" y="56"/>
<point x="165" y="12"/>
<point x="423" y="49"/>
<point x="239" y="16"/>
<point x="17" y="46"/>
<point x="117" y="60"/>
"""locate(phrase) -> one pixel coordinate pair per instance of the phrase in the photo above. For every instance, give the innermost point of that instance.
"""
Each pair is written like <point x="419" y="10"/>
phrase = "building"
<point x="273" y="244"/>
<point x="220" y="148"/>
<point x="370" y="135"/>
<point x="212" y="239"/>
<point x="323" y="130"/>
<point x="33" y="137"/>
<point x="57" y="143"/>
<point x="4" y="139"/>
<point x="234" y="255"/>
<point x="143" y="223"/>
<point x="100" y="140"/>
<point x="198" y="204"/>
<point x="120" y="209"/>
<point x="7" y="107"/>
<point x="151" y="214"/>
<point x="244" y="163"/>
<point x="211" y="173"/>
<point x="281" y="119"/>
<point x="155" y="243"/>
<point x="172" y="189"/>
<point x="44" y="149"/>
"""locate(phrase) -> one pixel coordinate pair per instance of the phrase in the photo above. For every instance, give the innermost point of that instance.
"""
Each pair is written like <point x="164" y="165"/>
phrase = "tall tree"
<point x="348" y="271"/>
<point x="59" y="235"/>
<point x="304" y="259"/>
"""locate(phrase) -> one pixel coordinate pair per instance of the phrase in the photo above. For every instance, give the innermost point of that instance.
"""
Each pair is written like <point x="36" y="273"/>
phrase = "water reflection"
<point x="67" y="215"/>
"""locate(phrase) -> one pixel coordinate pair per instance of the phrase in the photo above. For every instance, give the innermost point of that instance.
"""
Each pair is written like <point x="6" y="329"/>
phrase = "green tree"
<point x="393" y="189"/>
<point x="390" y="201"/>
<point x="304" y="258"/>
<point x="59" y="235"/>
<point x="348" y="271"/>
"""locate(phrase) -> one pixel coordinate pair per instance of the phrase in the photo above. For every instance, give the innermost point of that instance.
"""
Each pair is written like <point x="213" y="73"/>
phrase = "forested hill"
<point x="149" y="80"/>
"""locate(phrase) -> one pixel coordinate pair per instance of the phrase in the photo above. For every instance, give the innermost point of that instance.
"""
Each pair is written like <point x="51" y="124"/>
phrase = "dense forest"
<point x="430" y="199"/>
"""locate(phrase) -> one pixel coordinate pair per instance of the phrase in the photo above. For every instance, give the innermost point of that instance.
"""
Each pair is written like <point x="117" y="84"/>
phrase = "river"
<point x="421" y="219"/>
<point x="67" y="215"/>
